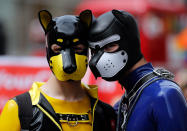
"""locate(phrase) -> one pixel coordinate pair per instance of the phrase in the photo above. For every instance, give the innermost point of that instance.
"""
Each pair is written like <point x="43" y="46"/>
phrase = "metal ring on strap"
<point x="72" y="124"/>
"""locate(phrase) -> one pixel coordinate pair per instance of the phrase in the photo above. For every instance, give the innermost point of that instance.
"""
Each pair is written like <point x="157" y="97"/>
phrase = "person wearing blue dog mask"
<point x="153" y="101"/>
<point x="63" y="102"/>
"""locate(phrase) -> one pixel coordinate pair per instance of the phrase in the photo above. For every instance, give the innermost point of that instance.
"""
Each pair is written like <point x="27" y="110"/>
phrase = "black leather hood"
<point x="119" y="23"/>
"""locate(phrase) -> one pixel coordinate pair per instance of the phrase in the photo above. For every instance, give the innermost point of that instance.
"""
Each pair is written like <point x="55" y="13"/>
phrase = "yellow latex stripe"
<point x="45" y="112"/>
<point x="93" y="112"/>
<point x="60" y="40"/>
<point x="75" y="40"/>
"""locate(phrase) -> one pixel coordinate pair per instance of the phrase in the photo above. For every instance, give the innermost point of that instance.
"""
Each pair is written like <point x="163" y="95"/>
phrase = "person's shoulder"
<point x="163" y="87"/>
<point x="168" y="101"/>
<point x="165" y="90"/>
<point x="9" y="119"/>
<point x="10" y="109"/>
<point x="11" y="105"/>
<point x="169" y="86"/>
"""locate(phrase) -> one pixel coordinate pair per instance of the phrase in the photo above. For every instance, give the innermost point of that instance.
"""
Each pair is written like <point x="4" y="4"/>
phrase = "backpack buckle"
<point x="69" y="121"/>
<point x="163" y="73"/>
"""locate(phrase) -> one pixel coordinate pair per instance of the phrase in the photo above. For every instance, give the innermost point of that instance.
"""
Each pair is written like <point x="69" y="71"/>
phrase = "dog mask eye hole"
<point x="55" y="48"/>
<point x="111" y="47"/>
<point x="79" y="48"/>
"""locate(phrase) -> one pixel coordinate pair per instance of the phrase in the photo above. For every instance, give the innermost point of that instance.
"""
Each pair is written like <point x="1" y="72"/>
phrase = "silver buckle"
<point x="163" y="73"/>
<point x="72" y="124"/>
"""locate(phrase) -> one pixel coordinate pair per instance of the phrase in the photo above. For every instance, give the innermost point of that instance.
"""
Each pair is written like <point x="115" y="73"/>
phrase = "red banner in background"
<point x="18" y="73"/>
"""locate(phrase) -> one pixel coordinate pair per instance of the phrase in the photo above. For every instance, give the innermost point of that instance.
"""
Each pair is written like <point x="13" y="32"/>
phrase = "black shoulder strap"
<point x="159" y="73"/>
<point x="25" y="110"/>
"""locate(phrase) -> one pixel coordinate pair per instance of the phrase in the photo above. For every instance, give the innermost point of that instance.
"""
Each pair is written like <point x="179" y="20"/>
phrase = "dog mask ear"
<point x="120" y="16"/>
<point x="45" y="18"/>
<point x="128" y="21"/>
<point x="87" y="17"/>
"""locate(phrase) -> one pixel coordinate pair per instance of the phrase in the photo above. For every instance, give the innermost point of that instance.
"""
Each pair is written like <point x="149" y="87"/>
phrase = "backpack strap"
<point x="24" y="110"/>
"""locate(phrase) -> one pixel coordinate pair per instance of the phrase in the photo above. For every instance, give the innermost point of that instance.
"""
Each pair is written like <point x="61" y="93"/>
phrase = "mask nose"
<point x="93" y="62"/>
<point x="69" y="63"/>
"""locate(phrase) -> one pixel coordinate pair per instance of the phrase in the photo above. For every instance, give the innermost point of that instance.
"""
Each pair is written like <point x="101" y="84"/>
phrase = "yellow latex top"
<point x="9" y="120"/>
<point x="79" y="107"/>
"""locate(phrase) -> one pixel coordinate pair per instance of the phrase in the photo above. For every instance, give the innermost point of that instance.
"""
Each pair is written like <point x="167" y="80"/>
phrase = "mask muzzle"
<point x="68" y="67"/>
<point x="108" y="65"/>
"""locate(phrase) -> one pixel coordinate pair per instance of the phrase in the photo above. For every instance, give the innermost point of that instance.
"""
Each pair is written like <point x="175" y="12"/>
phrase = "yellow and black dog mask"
<point x="66" y="32"/>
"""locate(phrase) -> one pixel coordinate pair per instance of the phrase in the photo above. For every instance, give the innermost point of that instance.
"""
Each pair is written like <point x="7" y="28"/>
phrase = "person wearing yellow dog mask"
<point x="63" y="102"/>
